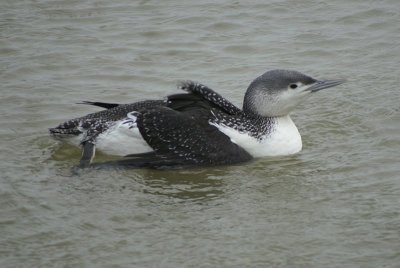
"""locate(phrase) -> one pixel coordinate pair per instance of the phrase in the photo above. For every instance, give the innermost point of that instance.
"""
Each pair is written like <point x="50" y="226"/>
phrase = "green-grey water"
<point x="335" y="204"/>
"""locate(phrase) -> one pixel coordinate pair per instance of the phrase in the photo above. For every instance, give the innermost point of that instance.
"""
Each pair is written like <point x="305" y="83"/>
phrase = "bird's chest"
<point x="279" y="137"/>
<point x="284" y="139"/>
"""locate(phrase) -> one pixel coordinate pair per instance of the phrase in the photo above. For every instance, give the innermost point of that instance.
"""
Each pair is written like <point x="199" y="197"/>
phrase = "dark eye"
<point x="293" y="86"/>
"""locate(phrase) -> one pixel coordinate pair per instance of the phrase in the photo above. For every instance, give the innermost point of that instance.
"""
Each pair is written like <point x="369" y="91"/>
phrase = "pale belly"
<point x="120" y="140"/>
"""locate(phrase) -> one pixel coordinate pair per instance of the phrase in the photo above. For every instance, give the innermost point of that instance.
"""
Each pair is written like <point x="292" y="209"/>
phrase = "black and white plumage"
<point x="199" y="127"/>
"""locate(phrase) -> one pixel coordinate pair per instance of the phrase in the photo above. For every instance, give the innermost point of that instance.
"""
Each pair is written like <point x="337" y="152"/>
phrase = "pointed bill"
<point x="322" y="84"/>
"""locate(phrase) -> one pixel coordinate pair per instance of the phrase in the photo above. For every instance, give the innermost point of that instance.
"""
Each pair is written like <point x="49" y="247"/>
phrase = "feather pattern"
<point x="199" y="127"/>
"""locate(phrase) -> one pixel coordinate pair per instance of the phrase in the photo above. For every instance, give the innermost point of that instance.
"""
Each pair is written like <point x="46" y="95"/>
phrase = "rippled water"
<point x="336" y="204"/>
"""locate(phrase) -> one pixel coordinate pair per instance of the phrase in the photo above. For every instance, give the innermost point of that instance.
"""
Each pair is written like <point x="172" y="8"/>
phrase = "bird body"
<point x="199" y="127"/>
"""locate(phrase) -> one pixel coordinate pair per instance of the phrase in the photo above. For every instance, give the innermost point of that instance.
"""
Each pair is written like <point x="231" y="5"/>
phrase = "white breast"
<point x="285" y="139"/>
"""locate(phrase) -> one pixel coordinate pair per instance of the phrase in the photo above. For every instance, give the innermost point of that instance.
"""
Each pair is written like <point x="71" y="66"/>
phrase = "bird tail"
<point x="70" y="127"/>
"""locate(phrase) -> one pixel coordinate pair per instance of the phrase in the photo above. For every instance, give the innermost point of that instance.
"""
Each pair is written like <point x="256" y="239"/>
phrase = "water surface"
<point x="335" y="204"/>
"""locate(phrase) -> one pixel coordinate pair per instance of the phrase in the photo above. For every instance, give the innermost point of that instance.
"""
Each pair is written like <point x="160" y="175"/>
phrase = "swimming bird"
<point x="199" y="127"/>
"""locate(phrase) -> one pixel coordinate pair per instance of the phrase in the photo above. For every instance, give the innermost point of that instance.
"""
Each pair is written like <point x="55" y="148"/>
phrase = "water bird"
<point x="198" y="127"/>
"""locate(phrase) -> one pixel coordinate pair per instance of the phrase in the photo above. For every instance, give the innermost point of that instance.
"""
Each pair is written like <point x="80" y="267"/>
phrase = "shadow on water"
<point x="209" y="183"/>
<point x="184" y="183"/>
<point x="197" y="184"/>
<point x="194" y="183"/>
<point x="189" y="184"/>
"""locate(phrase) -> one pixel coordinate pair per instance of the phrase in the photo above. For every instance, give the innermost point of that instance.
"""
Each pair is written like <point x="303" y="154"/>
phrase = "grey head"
<point x="278" y="92"/>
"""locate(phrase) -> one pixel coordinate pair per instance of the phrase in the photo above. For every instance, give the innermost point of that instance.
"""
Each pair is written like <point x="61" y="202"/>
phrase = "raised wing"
<point x="209" y="95"/>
